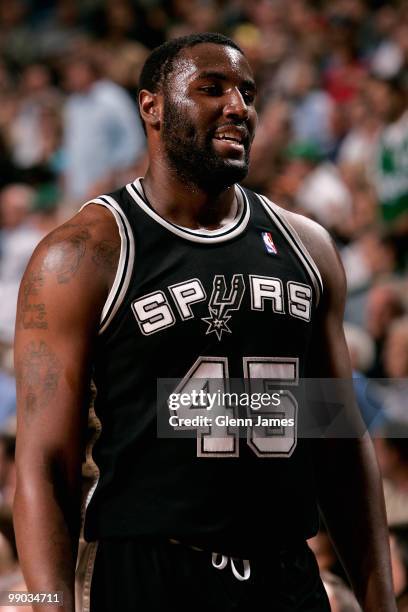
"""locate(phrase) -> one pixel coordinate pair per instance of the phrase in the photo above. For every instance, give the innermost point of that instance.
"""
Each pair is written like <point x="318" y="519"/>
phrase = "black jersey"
<point x="239" y="301"/>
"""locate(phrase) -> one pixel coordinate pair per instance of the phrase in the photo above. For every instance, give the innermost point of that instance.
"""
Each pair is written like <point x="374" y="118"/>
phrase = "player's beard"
<point x="193" y="159"/>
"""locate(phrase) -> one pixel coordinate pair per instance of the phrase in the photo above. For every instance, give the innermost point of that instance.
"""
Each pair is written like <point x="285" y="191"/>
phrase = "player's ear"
<point x="150" y="108"/>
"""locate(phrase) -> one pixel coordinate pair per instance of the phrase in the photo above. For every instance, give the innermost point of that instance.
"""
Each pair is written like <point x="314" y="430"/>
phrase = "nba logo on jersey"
<point x="269" y="243"/>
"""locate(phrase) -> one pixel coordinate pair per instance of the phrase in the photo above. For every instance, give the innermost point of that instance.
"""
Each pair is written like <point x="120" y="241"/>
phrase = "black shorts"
<point x="138" y="576"/>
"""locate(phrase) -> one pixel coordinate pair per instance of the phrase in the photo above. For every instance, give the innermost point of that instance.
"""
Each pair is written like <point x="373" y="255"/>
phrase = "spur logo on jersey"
<point x="155" y="311"/>
<point x="222" y="302"/>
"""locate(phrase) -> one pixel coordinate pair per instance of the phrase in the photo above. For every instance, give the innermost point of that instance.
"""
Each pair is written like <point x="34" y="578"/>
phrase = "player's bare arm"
<point x="61" y="297"/>
<point x="346" y="468"/>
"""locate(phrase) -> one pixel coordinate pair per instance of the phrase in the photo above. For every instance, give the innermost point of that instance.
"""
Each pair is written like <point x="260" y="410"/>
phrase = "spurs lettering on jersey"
<point x="154" y="312"/>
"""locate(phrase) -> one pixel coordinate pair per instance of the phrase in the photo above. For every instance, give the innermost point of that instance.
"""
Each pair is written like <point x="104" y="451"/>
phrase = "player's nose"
<point x="235" y="105"/>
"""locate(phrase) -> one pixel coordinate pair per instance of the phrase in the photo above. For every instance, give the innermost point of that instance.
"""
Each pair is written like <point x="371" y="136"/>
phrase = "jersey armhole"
<point x="126" y="260"/>
<point x="294" y="240"/>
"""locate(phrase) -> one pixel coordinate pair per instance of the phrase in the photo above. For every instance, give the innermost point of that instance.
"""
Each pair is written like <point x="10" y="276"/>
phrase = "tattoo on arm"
<point x="106" y="254"/>
<point x="38" y="376"/>
<point x="64" y="260"/>
<point x="32" y="313"/>
<point x="66" y="248"/>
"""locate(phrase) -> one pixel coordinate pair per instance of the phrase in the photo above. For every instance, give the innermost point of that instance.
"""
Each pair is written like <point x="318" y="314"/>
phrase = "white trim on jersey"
<point x="90" y="469"/>
<point x="222" y="234"/>
<point x="296" y="243"/>
<point x="83" y="575"/>
<point x="90" y="478"/>
<point x="125" y="264"/>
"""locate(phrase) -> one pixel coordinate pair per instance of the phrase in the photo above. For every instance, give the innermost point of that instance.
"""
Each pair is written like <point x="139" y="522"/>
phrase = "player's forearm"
<point x="351" y="500"/>
<point x="47" y="538"/>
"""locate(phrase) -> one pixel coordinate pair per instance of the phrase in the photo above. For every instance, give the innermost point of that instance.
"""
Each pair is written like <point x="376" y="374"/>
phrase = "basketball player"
<point x="183" y="274"/>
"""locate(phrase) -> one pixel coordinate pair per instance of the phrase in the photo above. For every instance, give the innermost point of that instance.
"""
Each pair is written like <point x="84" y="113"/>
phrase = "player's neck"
<point x="186" y="205"/>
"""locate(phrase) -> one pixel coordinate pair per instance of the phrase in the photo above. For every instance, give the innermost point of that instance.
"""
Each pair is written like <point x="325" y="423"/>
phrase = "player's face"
<point x="209" y="116"/>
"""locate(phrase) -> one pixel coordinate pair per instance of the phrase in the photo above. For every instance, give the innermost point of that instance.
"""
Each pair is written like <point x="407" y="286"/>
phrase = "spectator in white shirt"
<point x="102" y="130"/>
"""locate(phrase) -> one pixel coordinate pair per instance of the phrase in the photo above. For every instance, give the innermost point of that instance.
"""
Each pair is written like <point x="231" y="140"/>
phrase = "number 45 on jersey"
<point x="211" y="374"/>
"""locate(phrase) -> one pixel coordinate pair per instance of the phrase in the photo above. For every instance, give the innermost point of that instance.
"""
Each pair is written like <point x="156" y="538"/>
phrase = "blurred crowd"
<point x="332" y="143"/>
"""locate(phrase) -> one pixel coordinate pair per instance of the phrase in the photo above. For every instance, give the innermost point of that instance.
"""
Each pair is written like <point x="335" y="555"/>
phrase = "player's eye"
<point x="248" y="95"/>
<point x="212" y="90"/>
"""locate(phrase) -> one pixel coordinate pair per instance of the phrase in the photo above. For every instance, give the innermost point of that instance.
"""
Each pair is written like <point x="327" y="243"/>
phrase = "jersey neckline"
<point x="222" y="234"/>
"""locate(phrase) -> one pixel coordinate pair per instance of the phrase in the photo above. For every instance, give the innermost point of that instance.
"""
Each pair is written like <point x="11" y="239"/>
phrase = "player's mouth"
<point x="231" y="140"/>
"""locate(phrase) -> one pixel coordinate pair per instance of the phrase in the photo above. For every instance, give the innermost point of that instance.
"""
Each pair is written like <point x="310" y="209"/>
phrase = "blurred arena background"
<point x="332" y="143"/>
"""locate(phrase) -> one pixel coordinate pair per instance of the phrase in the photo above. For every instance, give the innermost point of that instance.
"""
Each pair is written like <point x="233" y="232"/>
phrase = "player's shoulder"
<point x="315" y="239"/>
<point x="314" y="236"/>
<point x="88" y="243"/>
<point x="90" y="224"/>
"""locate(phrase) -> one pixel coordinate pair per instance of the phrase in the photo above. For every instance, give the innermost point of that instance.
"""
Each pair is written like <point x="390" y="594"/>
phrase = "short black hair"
<point x="160" y="62"/>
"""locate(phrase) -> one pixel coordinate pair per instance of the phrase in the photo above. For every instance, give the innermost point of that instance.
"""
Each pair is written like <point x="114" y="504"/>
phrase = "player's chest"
<point x="221" y="288"/>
